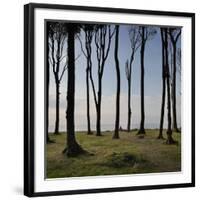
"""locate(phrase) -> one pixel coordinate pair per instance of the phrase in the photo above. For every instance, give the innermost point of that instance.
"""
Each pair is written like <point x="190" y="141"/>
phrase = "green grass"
<point x="127" y="155"/>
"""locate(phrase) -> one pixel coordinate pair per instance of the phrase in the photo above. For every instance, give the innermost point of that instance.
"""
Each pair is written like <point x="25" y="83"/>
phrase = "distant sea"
<point x="110" y="127"/>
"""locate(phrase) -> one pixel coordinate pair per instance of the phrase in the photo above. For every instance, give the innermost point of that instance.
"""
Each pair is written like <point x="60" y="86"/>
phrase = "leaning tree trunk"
<point x="116" y="133"/>
<point x="175" y="127"/>
<point x="141" y="130"/>
<point x="88" y="98"/>
<point x="160" y="136"/>
<point x="170" y="140"/>
<point x="73" y="148"/>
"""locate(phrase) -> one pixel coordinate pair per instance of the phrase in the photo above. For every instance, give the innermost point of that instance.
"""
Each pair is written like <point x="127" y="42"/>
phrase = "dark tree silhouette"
<point x="179" y="59"/>
<point x="56" y="43"/>
<point x="73" y="148"/>
<point x="88" y="29"/>
<point x="145" y="34"/>
<point x="135" y="44"/>
<point x="174" y="36"/>
<point x="103" y="37"/>
<point x="47" y="79"/>
<point x="141" y="130"/>
<point x="170" y="139"/>
<point x="117" y="118"/>
<point x="179" y="64"/>
<point x="160" y="136"/>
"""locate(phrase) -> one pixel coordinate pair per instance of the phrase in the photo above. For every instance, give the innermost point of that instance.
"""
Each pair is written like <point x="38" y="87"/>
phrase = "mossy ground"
<point x="127" y="155"/>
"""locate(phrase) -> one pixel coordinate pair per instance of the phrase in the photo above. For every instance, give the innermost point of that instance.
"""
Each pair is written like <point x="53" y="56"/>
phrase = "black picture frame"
<point x="29" y="95"/>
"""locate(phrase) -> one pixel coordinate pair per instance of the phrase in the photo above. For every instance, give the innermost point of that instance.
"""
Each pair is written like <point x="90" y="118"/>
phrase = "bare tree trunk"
<point x="116" y="133"/>
<point x="169" y="130"/>
<point x="56" y="74"/>
<point x="94" y="94"/>
<point x="129" y="105"/>
<point x="73" y="148"/>
<point x="170" y="140"/>
<point x="57" y="107"/>
<point x="174" y="39"/>
<point x="98" y="124"/>
<point x="160" y="136"/>
<point x="175" y="127"/>
<point x="48" y="74"/>
<point x="88" y="98"/>
<point x="103" y="35"/>
<point x="134" y="36"/>
<point x="141" y="130"/>
<point x="88" y="30"/>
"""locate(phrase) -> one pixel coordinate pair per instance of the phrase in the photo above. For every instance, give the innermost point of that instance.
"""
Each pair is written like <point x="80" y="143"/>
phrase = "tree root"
<point x="170" y="141"/>
<point x="75" y="151"/>
<point x="49" y="141"/>
<point x="141" y="135"/>
<point x="177" y="130"/>
<point x="57" y="133"/>
<point x="115" y="137"/>
<point x="90" y="133"/>
<point x="160" y="137"/>
<point x="141" y="132"/>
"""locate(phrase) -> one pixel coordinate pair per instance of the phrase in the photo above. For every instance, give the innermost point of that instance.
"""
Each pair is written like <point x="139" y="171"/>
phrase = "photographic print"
<point x="114" y="99"/>
<point x="110" y="95"/>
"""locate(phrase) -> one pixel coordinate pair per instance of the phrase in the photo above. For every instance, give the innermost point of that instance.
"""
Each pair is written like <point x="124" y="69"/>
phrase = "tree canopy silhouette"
<point x="103" y="37"/>
<point x="57" y="40"/>
<point x="88" y="30"/>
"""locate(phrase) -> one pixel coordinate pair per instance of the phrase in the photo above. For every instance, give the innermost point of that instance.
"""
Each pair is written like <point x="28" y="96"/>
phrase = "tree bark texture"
<point x="142" y="130"/>
<point x="73" y="148"/>
<point x="160" y="136"/>
<point x="117" y="118"/>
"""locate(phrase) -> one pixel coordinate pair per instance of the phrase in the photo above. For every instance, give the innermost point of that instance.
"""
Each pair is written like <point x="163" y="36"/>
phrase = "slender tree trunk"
<point x="103" y="34"/>
<point x="56" y="75"/>
<point x="88" y="98"/>
<point x="169" y="130"/>
<point x="170" y="140"/>
<point x="94" y="94"/>
<point x="98" y="124"/>
<point x="116" y="133"/>
<point x="47" y="95"/>
<point x="129" y="104"/>
<point x="57" y="107"/>
<point x="73" y="148"/>
<point x="160" y="136"/>
<point x="141" y="130"/>
<point x="175" y="127"/>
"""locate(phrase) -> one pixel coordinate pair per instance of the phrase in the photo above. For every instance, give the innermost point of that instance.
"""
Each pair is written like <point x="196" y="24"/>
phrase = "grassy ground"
<point x="128" y="155"/>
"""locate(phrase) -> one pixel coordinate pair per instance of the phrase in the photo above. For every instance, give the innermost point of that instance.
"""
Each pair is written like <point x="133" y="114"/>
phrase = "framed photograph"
<point x="108" y="99"/>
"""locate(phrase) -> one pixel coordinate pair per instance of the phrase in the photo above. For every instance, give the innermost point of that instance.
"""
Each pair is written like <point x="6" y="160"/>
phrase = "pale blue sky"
<point x="153" y="85"/>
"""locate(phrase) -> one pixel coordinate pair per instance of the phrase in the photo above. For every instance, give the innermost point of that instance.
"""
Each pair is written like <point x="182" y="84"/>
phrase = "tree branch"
<point x="81" y="46"/>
